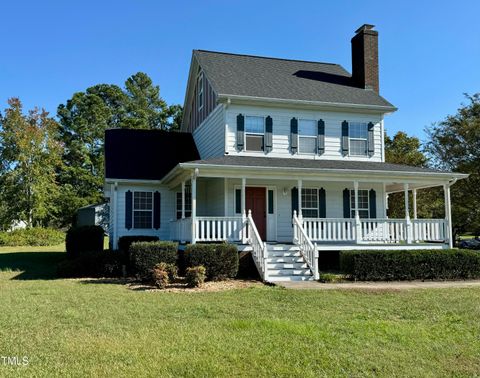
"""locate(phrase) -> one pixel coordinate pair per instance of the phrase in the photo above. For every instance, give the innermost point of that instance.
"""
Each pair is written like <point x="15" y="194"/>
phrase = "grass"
<point x="87" y="328"/>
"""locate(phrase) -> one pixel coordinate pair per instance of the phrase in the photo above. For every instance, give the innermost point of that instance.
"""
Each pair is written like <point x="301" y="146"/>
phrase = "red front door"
<point x="256" y="201"/>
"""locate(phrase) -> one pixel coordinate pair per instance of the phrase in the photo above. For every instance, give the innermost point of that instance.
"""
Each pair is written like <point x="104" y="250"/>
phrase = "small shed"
<point x="93" y="215"/>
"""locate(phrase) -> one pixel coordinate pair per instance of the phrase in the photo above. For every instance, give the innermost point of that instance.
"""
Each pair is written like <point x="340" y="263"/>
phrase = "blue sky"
<point x="429" y="50"/>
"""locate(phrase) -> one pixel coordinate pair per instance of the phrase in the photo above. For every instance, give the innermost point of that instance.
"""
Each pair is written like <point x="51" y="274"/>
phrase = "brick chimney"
<point x="365" y="58"/>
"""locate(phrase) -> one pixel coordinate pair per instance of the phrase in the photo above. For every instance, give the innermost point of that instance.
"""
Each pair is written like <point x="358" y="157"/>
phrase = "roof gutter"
<point x="281" y="101"/>
<point x="319" y="170"/>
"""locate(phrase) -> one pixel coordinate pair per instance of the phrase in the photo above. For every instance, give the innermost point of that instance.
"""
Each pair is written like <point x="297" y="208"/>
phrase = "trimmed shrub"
<point x="160" y="275"/>
<point x="195" y="276"/>
<point x="410" y="264"/>
<point x="145" y="255"/>
<point x="35" y="236"/>
<point x="125" y="242"/>
<point x="84" y="239"/>
<point x="93" y="264"/>
<point x="220" y="260"/>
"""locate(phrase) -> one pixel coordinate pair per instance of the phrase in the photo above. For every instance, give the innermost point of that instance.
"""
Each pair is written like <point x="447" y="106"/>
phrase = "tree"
<point x="406" y="150"/>
<point x="30" y="156"/>
<point x="454" y="144"/>
<point x="84" y="119"/>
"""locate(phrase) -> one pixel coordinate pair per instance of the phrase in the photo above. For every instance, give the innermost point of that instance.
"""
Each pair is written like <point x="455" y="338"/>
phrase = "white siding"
<point x="210" y="135"/>
<point x="281" y="131"/>
<point x="167" y="211"/>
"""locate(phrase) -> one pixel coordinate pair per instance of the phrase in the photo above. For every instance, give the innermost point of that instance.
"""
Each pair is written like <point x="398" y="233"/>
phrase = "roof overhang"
<point x="418" y="179"/>
<point x="305" y="104"/>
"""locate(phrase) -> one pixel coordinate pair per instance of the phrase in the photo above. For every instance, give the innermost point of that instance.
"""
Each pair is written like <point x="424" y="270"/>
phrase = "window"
<point x="188" y="202"/>
<point x="307" y="136"/>
<point x="310" y="203"/>
<point x="200" y="91"/>
<point x="142" y="209"/>
<point x="363" y="204"/>
<point x="254" y="133"/>
<point x="358" y="138"/>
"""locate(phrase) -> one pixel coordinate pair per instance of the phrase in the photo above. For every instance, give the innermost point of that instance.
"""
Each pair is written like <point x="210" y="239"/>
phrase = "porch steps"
<point x="286" y="263"/>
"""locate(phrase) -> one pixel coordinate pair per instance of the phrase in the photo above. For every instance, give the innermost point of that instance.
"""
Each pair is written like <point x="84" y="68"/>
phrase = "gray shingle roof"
<point x="246" y="75"/>
<point x="347" y="165"/>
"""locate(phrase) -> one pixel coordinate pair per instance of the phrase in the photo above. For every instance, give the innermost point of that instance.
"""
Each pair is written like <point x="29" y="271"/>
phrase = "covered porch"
<point x="216" y="209"/>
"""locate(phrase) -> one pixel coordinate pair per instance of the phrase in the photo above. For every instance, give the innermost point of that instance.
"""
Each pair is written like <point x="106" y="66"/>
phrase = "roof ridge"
<point x="266" y="57"/>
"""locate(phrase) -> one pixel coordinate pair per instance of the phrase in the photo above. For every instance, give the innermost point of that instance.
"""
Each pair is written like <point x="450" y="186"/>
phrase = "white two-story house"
<point x="284" y="157"/>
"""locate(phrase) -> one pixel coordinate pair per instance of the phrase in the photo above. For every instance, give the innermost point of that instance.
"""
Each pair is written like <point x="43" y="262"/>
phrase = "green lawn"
<point x="82" y="328"/>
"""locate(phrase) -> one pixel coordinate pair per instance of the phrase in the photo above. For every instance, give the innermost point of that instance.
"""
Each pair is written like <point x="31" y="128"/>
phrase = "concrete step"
<point x="289" y="278"/>
<point x="283" y="254"/>
<point x="282" y="247"/>
<point x="285" y="259"/>
<point x="283" y="266"/>
<point x="289" y="272"/>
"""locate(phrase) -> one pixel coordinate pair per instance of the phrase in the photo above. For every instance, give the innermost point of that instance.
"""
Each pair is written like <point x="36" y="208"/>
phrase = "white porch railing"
<point x="331" y="229"/>
<point x="308" y="250"/>
<point x="209" y="229"/>
<point x="259" y="248"/>
<point x="379" y="230"/>
<point x="383" y="230"/>
<point x="219" y="229"/>
<point x="434" y="230"/>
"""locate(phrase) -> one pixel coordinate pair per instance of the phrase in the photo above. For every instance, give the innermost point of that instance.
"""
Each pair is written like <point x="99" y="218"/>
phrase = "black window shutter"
<point x="240" y="132"/>
<point x="294" y="135"/>
<point x="373" y="203"/>
<point x="371" y="141"/>
<point x="345" y="138"/>
<point x="156" y="210"/>
<point x="346" y="203"/>
<point x="321" y="137"/>
<point x="238" y="201"/>
<point x="294" y="200"/>
<point x="322" y="202"/>
<point x="268" y="134"/>
<point x="270" y="201"/>
<point x="128" y="209"/>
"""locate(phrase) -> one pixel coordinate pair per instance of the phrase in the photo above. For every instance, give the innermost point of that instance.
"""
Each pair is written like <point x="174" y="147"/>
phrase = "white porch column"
<point x="414" y="195"/>
<point x="300" y="215"/>
<point x="385" y="201"/>
<point x="225" y="196"/>
<point x="194" y="207"/>
<point x="448" y="215"/>
<point x="114" y="213"/>
<point x="358" y="225"/>
<point x="183" y="199"/>
<point x="408" y="228"/>
<point x="244" y="184"/>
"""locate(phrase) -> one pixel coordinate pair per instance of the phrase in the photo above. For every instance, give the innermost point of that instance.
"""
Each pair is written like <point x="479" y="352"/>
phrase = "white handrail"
<point x="259" y="248"/>
<point x="308" y="250"/>
<point x="330" y="229"/>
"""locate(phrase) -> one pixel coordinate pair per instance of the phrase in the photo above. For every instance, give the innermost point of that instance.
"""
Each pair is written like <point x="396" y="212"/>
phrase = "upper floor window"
<point x="358" y="138"/>
<point x="142" y="209"/>
<point x="254" y="133"/>
<point x="363" y="204"/>
<point x="200" y="91"/>
<point x="307" y="136"/>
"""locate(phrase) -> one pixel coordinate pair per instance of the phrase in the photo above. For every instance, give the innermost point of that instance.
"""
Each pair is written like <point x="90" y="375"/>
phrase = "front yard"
<point x="90" y="328"/>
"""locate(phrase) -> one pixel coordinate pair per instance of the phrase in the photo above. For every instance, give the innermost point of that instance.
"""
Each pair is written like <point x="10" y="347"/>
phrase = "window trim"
<point x="299" y="136"/>
<point x="188" y="195"/>
<point x="310" y="208"/>
<point x="142" y="210"/>
<point x="245" y="133"/>
<point x="353" y="208"/>
<point x="355" y="138"/>
<point x="200" y="91"/>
